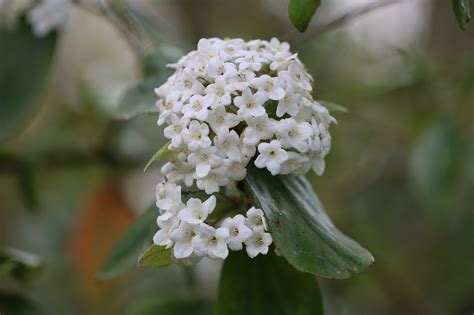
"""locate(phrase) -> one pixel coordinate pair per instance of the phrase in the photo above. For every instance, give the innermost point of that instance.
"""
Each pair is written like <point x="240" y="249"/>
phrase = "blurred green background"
<point x="399" y="178"/>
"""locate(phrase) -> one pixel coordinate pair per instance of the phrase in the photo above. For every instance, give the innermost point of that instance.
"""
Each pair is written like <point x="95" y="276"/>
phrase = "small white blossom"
<point x="204" y="160"/>
<point x="196" y="136"/>
<point x="271" y="156"/>
<point x="210" y="242"/>
<point x="182" y="238"/>
<point x="228" y="143"/>
<point x="255" y="219"/>
<point x="238" y="231"/>
<point x="198" y="106"/>
<point x="271" y="87"/>
<point x="250" y="104"/>
<point x="258" y="243"/>
<point x="197" y="211"/>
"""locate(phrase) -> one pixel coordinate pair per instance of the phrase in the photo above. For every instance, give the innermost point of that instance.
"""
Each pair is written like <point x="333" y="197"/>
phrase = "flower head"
<point x="231" y="103"/>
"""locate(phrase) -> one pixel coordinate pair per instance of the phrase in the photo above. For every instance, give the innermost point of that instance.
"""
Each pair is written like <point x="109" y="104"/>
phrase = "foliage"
<point x="462" y="12"/>
<point x="24" y="71"/>
<point x="301" y="12"/>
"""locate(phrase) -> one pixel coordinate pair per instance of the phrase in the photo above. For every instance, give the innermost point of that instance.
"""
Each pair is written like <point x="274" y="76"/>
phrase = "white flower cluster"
<point x="183" y="227"/>
<point x="228" y="103"/>
<point x="44" y="16"/>
<point x="230" y="98"/>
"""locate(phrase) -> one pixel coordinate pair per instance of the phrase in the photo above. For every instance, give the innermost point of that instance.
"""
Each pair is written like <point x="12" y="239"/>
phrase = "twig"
<point x="296" y="38"/>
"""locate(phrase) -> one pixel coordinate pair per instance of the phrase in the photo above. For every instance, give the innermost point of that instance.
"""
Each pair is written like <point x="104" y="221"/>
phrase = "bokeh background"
<point x="399" y="179"/>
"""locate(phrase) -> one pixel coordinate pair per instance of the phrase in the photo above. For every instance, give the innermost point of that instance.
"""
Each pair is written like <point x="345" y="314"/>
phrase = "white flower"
<point x="236" y="171"/>
<point x="258" y="128"/>
<point x="294" y="135"/>
<point x="162" y="236"/>
<point x="271" y="156"/>
<point x="289" y="104"/>
<point x="204" y="160"/>
<point x="211" y="242"/>
<point x="280" y="47"/>
<point x="255" y="219"/>
<point x="197" y="211"/>
<point x="198" y="106"/>
<point x="196" y="136"/>
<point x="222" y="91"/>
<point x="296" y="75"/>
<point x="174" y="131"/>
<point x="171" y="199"/>
<point x="228" y="143"/>
<point x="205" y="47"/>
<point x="216" y="68"/>
<point x="211" y="183"/>
<point x="280" y="60"/>
<point x="221" y="121"/>
<point x="170" y="105"/>
<point x="258" y="243"/>
<point x="189" y="86"/>
<point x="296" y="164"/>
<point x="238" y="231"/>
<point x="250" y="104"/>
<point x="271" y="87"/>
<point x="182" y="238"/>
<point x="250" y="59"/>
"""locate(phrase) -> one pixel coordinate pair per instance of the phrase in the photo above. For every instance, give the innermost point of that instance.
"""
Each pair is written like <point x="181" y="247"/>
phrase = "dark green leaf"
<point x="266" y="284"/>
<point x="157" y="256"/>
<point x="26" y="63"/>
<point x="13" y="304"/>
<point x="19" y="264"/>
<point x="177" y="307"/>
<point x="301" y="229"/>
<point x="301" y="12"/>
<point x="124" y="255"/>
<point x="161" y="153"/>
<point x="462" y="12"/>
<point x="333" y="108"/>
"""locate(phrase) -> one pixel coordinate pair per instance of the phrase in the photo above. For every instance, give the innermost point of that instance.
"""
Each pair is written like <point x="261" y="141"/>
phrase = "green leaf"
<point x="161" y="153"/>
<point x="177" y="307"/>
<point x="266" y="284"/>
<point x="140" y="99"/>
<point x="462" y="12"/>
<point x="333" y="108"/>
<point x="24" y="69"/>
<point x="21" y="265"/>
<point x="14" y="304"/>
<point x="301" y="12"/>
<point x="435" y="164"/>
<point x="301" y="229"/>
<point x="158" y="256"/>
<point x="124" y="255"/>
<point x="155" y="63"/>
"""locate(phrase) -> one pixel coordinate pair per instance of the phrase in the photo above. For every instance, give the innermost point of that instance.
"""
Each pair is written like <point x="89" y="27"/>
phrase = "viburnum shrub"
<point x="243" y="126"/>
<point x="231" y="103"/>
